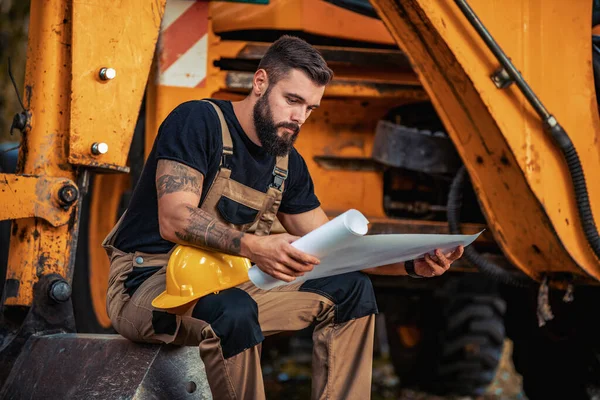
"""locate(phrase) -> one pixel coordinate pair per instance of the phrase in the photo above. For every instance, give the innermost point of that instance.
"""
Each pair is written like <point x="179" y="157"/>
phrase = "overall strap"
<point x="227" y="143"/>
<point x="223" y="185"/>
<point x="273" y="197"/>
<point x="280" y="172"/>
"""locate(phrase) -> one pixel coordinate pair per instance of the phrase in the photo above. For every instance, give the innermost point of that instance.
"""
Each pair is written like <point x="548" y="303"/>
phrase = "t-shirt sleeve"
<point x="299" y="192"/>
<point x="189" y="136"/>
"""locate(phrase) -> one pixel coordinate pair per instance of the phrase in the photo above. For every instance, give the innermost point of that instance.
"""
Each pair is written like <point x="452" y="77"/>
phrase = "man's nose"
<point x="298" y="117"/>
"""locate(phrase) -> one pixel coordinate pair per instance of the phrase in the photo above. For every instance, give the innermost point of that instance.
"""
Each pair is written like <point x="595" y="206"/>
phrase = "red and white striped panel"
<point x="183" y="45"/>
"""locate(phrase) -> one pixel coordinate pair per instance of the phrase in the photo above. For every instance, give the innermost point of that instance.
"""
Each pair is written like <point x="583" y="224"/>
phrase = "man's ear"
<point x="260" y="83"/>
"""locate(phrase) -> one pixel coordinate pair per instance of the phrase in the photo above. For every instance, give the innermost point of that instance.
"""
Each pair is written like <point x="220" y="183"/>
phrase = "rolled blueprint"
<point x="342" y="247"/>
<point x="339" y="232"/>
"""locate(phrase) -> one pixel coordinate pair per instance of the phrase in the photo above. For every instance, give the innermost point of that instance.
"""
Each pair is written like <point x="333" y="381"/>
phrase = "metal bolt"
<point x="60" y="291"/>
<point x="19" y="122"/>
<point x="107" y="74"/>
<point x="501" y="78"/>
<point x="68" y="194"/>
<point x="99" y="148"/>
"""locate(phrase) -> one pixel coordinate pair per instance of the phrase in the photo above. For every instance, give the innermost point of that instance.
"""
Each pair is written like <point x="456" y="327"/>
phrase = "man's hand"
<point x="430" y="266"/>
<point x="274" y="255"/>
<point x="425" y="267"/>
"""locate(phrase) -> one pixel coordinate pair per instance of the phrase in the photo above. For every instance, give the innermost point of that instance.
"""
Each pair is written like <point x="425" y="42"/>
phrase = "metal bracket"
<point x="501" y="78"/>
<point x="27" y="196"/>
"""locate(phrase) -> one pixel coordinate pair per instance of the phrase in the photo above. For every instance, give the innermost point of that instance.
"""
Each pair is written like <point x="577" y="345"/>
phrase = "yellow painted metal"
<point x="70" y="111"/>
<point x="104" y="212"/>
<point x="360" y="87"/>
<point x="121" y="35"/>
<point x="193" y="273"/>
<point x="311" y="16"/>
<point x="36" y="247"/>
<point x="518" y="173"/>
<point x="341" y="127"/>
<point x="161" y="100"/>
<point x="345" y="128"/>
<point x="345" y="123"/>
<point x="316" y="17"/>
<point x="32" y="196"/>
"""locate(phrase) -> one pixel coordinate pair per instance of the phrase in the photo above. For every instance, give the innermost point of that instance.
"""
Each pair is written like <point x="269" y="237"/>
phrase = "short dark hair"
<point x="290" y="52"/>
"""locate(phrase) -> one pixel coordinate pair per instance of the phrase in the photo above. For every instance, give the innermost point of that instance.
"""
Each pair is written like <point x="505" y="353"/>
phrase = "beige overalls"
<point x="340" y="308"/>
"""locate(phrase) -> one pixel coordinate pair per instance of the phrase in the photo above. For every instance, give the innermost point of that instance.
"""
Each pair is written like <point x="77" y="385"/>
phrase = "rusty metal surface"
<point x="105" y="367"/>
<point x="356" y="56"/>
<point x="417" y="150"/>
<point x="33" y="196"/>
<point x="46" y="315"/>
<point x="452" y="67"/>
<point x="347" y="163"/>
<point x="105" y="111"/>
<point x="314" y="17"/>
<point x="36" y="247"/>
<point x="342" y="87"/>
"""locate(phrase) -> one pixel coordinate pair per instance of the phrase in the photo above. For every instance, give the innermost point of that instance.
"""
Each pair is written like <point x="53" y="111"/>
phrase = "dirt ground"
<point x="288" y="377"/>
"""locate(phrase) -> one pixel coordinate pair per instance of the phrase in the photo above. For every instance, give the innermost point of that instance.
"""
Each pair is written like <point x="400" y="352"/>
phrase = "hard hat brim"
<point x="167" y="301"/>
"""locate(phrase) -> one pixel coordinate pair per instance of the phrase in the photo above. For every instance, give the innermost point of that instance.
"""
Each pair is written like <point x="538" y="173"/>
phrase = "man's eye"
<point x="292" y="101"/>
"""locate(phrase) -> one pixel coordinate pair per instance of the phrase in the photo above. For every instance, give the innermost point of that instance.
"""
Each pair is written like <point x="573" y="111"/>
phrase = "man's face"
<point x="281" y="111"/>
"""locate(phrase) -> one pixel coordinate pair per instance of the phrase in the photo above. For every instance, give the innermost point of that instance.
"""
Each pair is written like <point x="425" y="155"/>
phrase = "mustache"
<point x="295" y="128"/>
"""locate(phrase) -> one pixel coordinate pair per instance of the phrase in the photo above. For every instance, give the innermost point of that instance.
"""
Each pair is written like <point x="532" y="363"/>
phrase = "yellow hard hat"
<point x="193" y="273"/>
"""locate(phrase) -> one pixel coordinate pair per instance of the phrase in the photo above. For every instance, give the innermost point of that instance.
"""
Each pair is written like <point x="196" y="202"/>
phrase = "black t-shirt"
<point x="191" y="135"/>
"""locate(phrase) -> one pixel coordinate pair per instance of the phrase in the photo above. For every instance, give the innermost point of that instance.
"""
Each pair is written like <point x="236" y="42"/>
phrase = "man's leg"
<point x="342" y="308"/>
<point x="225" y="327"/>
<point x="232" y="363"/>
<point x="343" y="358"/>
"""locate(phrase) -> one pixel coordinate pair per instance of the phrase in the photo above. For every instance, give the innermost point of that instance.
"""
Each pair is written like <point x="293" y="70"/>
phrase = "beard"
<point x="266" y="129"/>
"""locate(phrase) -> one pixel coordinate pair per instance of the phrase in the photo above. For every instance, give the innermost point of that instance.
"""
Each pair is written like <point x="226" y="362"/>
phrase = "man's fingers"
<point x="283" y="273"/>
<point x="278" y="271"/>
<point x="442" y="260"/>
<point x="457" y="253"/>
<point x="297" y="267"/>
<point x="436" y="269"/>
<point x="439" y="263"/>
<point x="301" y="256"/>
<point x="283" y="277"/>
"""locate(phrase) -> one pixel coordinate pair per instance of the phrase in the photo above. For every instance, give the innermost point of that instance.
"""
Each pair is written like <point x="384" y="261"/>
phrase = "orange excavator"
<point x="444" y="116"/>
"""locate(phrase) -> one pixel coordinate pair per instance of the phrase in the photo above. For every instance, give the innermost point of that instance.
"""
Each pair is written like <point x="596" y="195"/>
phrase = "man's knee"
<point x="233" y="316"/>
<point x="352" y="294"/>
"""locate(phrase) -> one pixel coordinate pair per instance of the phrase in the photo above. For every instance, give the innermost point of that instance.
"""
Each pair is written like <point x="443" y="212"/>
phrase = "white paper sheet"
<point x="342" y="247"/>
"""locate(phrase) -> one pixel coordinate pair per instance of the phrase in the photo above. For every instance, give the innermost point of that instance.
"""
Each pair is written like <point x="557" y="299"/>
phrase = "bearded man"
<point x="217" y="170"/>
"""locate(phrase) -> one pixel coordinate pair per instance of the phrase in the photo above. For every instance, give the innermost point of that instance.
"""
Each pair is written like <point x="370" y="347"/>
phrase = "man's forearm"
<point x="201" y="229"/>
<point x="396" y="269"/>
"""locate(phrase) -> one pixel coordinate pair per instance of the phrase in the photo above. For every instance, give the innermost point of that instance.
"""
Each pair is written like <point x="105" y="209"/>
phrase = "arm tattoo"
<point x="177" y="178"/>
<point x="204" y="230"/>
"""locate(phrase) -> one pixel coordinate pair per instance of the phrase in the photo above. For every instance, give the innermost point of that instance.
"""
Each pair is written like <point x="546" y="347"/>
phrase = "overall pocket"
<point x="236" y="213"/>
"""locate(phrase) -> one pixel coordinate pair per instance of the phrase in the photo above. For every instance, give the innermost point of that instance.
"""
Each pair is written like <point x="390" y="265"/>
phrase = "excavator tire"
<point x="461" y="336"/>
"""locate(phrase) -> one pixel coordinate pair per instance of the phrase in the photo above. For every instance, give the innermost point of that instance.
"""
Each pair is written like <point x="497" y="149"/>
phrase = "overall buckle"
<point x="279" y="177"/>
<point x="226" y="157"/>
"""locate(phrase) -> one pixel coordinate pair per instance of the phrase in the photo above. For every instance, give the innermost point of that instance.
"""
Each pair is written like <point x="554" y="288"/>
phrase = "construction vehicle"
<point x="481" y="114"/>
